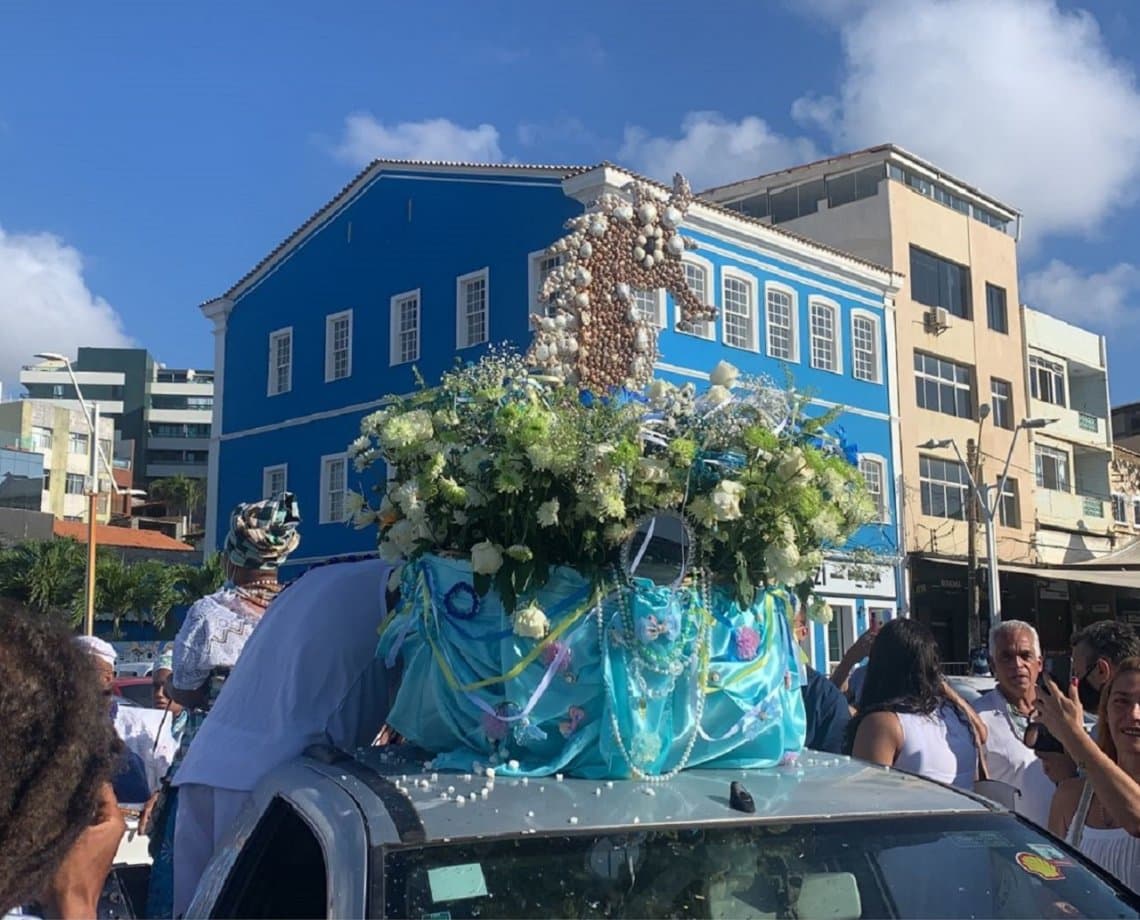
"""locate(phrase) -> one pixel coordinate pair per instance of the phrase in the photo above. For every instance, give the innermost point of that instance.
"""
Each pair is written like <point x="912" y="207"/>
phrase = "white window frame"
<point x="1120" y="503"/>
<point x="395" y="348"/>
<point x="535" y="278"/>
<point x="948" y="486"/>
<point x="1057" y="455"/>
<point x="325" y="512"/>
<point x="73" y="440"/>
<point x="1135" y="511"/>
<point x="330" y="346"/>
<point x="836" y="334"/>
<point x="462" y="338"/>
<point x="883" y="506"/>
<point x="1054" y="371"/>
<point x="658" y="295"/>
<point x="729" y="272"/>
<point x="771" y="287"/>
<point x="709" y="325"/>
<point x="876" y="326"/>
<point x="274" y="337"/>
<point x="267" y="474"/>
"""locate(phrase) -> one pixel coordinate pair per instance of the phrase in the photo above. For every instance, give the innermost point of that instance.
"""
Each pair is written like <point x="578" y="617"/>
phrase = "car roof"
<point x="132" y="681"/>
<point x="819" y="787"/>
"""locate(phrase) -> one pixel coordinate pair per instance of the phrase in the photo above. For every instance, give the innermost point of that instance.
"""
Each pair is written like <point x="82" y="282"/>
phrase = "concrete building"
<point x="1068" y="382"/>
<point x="960" y="347"/>
<point x="1124" y="479"/>
<point x="1126" y="426"/>
<point x="164" y="412"/>
<point x="56" y="435"/>
<point x="415" y="264"/>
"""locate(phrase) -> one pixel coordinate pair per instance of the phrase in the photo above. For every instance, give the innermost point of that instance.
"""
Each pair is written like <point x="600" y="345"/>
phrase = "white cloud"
<point x="46" y="303"/>
<point x="1018" y="97"/>
<point x="713" y="150"/>
<point x="1103" y="301"/>
<point x="366" y="139"/>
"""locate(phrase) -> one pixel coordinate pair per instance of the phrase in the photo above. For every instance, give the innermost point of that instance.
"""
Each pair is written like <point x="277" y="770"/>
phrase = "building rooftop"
<point x="124" y="537"/>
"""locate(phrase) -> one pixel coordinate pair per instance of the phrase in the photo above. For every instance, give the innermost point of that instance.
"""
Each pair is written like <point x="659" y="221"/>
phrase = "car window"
<point x="924" y="866"/>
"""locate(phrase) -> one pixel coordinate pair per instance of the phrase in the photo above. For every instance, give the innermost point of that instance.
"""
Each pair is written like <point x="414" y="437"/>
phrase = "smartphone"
<point x="1044" y="742"/>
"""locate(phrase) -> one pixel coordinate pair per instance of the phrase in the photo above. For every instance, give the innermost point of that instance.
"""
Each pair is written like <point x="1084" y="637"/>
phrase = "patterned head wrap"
<point x="263" y="534"/>
<point x="165" y="661"/>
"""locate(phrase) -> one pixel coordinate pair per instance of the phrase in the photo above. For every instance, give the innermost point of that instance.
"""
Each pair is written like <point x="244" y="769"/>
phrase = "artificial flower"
<point x="724" y="375"/>
<point x="726" y="499"/>
<point x="547" y="513"/>
<point x="819" y="611"/>
<point x="746" y="642"/>
<point x="531" y="622"/>
<point x="486" y="558"/>
<point x="520" y="552"/>
<point x="405" y="430"/>
<point x="718" y="395"/>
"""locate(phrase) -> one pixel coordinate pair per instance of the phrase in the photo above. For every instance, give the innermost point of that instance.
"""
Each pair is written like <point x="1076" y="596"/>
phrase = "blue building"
<point x="416" y="264"/>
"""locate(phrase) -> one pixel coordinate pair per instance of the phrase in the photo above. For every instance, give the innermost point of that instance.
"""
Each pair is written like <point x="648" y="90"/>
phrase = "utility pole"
<point x="973" y="627"/>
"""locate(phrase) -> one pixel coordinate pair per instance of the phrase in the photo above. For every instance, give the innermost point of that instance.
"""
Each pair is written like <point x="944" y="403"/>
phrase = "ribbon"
<point x="542" y="687"/>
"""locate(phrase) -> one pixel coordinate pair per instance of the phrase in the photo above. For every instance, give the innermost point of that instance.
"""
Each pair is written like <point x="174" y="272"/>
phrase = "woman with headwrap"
<point x="262" y="535"/>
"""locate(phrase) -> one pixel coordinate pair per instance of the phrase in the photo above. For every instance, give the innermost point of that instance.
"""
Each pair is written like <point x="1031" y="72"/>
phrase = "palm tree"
<point x="195" y="581"/>
<point x="140" y="591"/>
<point x="46" y="575"/>
<point x="183" y="492"/>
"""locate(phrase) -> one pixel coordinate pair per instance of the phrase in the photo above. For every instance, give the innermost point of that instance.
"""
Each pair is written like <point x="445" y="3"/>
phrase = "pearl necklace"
<point x="700" y="655"/>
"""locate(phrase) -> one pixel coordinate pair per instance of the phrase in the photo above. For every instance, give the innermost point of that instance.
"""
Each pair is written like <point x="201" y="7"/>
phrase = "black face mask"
<point x="1089" y="695"/>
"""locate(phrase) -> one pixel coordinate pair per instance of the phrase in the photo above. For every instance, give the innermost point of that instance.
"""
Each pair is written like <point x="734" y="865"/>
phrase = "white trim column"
<point x="219" y="312"/>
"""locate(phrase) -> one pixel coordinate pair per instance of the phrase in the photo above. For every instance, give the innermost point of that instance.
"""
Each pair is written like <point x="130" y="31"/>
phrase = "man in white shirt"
<point x="1015" y="658"/>
<point x="308" y="675"/>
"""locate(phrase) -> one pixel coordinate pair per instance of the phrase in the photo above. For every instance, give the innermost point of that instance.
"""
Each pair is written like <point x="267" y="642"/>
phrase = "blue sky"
<point x="151" y="153"/>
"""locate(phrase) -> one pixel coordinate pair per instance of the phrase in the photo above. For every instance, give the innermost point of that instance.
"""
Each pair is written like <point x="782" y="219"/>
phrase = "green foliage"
<point x="194" y="581"/>
<point x="45" y="575"/>
<point x="185" y="493"/>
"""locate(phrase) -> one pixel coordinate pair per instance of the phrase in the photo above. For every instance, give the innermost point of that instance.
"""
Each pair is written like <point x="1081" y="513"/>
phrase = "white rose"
<point x="531" y="622"/>
<point x="726" y="500"/>
<point x="718" y="395"/>
<point x="547" y="513"/>
<point x="724" y="375"/>
<point x="658" y="390"/>
<point x="819" y="611"/>
<point x="486" y="558"/>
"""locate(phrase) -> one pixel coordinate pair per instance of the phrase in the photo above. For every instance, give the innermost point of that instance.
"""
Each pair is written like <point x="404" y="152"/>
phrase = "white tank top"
<point x="1113" y="849"/>
<point x="938" y="746"/>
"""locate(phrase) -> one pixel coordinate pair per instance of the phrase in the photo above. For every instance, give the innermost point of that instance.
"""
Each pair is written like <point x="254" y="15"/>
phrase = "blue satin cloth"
<point x="636" y="679"/>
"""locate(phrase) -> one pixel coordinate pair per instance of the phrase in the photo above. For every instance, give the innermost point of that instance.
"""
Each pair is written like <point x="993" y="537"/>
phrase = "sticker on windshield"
<point x="983" y="840"/>
<point x="1051" y="853"/>
<point x="457" y="883"/>
<point x="1040" y="867"/>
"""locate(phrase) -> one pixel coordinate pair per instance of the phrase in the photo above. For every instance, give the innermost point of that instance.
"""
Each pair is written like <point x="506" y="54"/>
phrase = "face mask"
<point x="1089" y="695"/>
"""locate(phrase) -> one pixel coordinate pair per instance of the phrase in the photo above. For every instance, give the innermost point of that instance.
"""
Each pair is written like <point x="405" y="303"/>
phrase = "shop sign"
<point x="839" y="579"/>
<point x="1053" y="591"/>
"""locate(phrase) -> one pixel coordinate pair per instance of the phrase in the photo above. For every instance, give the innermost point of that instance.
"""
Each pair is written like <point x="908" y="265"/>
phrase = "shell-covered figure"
<point x="593" y="335"/>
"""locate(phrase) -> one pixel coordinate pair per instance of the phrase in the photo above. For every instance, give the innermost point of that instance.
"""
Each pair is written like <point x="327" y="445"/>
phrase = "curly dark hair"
<point x="57" y="749"/>
<point x="904" y="674"/>
<point x="1109" y="639"/>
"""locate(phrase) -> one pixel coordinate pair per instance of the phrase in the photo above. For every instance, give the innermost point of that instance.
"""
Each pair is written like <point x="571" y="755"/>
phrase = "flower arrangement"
<point x="521" y="472"/>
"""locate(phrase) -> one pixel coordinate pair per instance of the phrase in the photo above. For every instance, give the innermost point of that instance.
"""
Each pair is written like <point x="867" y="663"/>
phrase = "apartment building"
<point x="1126" y="426"/>
<point x="46" y="459"/>
<point x="164" y="412"/>
<point x="959" y="344"/>
<point x="1068" y="387"/>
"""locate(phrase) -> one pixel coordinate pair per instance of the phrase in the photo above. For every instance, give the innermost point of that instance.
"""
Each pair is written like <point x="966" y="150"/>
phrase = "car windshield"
<point x="925" y="866"/>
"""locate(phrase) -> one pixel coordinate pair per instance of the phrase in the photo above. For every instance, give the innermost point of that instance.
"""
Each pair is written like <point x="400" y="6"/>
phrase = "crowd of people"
<point x="73" y="757"/>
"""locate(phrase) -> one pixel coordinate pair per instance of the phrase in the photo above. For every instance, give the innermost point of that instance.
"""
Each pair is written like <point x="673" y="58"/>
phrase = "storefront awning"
<point x="1112" y="579"/>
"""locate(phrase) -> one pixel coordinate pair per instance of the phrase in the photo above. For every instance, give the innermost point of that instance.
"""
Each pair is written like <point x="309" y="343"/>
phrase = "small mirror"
<point x="660" y="549"/>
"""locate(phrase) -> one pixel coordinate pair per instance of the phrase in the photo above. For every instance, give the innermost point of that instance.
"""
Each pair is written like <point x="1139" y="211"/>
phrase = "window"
<point x="274" y="480"/>
<point x="542" y="264"/>
<point x="471" y="310"/>
<point x="1119" y="508"/>
<point x="650" y="305"/>
<point x="405" y="328"/>
<point x="865" y="347"/>
<point x="1001" y="400"/>
<point x="939" y="283"/>
<point x="1052" y="468"/>
<point x="1135" y="506"/>
<point x="697" y="276"/>
<point x="854" y="186"/>
<point x="47" y="484"/>
<point x="739" y="316"/>
<point x="57" y="391"/>
<point x="75" y="484"/>
<point x="943" y="386"/>
<point x="1009" y="505"/>
<point x="334" y="484"/>
<point x="338" y="346"/>
<point x="872" y="470"/>
<point x="77" y="443"/>
<point x="1047" y="380"/>
<point x="42" y="439"/>
<point x="996" y="315"/>
<point x="943" y="484"/>
<point x="781" y="323"/>
<point x="280" y="361"/>
<point x="824" y="330"/>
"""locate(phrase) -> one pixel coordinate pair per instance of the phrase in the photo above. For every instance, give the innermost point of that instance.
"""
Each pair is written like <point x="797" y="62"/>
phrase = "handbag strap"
<point x="1076" y="829"/>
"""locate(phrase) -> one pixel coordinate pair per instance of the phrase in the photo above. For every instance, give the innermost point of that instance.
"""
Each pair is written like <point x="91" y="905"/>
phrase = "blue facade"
<point x="409" y="229"/>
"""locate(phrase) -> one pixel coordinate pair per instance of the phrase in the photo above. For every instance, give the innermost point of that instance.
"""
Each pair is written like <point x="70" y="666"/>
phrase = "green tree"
<point x="46" y="575"/>
<point x="195" y="581"/>
<point x="143" y="592"/>
<point x="184" y="493"/>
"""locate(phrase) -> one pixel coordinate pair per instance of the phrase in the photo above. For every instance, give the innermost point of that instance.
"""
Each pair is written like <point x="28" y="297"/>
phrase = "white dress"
<point x="938" y="746"/>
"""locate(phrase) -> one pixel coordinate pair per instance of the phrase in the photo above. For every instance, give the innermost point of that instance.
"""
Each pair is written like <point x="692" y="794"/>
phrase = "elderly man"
<point x="1097" y="650"/>
<point x="1015" y="658"/>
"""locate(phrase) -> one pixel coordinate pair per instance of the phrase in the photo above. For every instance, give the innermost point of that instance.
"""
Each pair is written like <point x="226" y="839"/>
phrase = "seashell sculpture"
<point x="593" y="336"/>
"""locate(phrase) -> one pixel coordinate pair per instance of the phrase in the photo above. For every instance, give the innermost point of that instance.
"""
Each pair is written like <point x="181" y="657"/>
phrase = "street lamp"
<point x="990" y="509"/>
<point x="95" y="453"/>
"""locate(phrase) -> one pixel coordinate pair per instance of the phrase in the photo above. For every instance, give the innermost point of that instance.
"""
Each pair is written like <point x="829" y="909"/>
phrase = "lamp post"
<point x="990" y="510"/>
<point x="95" y="453"/>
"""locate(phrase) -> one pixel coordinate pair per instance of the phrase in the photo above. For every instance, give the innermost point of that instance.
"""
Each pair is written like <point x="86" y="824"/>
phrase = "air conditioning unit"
<point x="936" y="320"/>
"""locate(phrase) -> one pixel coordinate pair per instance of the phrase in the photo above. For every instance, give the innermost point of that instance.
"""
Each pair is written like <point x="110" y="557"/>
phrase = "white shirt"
<point x="213" y="635"/>
<point x="1011" y="761"/>
<point x="308" y="675"/>
<point x="139" y="727"/>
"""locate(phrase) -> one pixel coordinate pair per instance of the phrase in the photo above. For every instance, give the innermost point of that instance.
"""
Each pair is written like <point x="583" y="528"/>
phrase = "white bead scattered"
<point x="513" y="764"/>
<point x="530" y="814"/>
<point x="485" y="792"/>
<point x="435" y="777"/>
<point x="526" y="780"/>
<point x="573" y="819"/>
<point x="598" y="791"/>
<point x="649" y="790"/>
<point x="460" y="801"/>
<point x="490" y="773"/>
<point x="636" y="820"/>
<point x="467" y="777"/>
<point x="451" y="790"/>
<point x="558" y="777"/>
<point x="609" y="784"/>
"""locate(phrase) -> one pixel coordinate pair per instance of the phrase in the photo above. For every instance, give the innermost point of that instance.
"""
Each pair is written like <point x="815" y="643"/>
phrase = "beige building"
<point x="1068" y="385"/>
<point x="959" y="347"/>
<point x="61" y="436"/>
<point x="1124" y="480"/>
